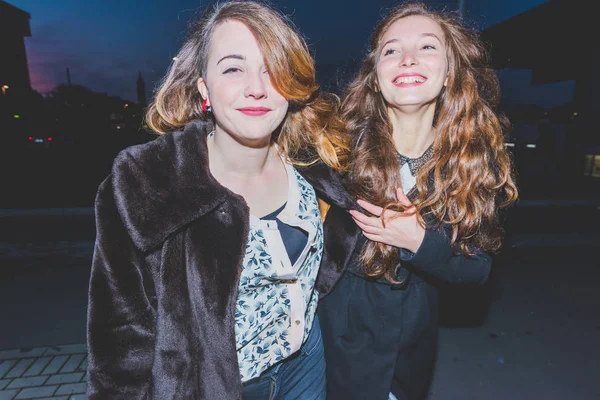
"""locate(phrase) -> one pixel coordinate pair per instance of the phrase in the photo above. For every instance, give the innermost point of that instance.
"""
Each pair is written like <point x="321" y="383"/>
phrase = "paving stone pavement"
<point x="51" y="372"/>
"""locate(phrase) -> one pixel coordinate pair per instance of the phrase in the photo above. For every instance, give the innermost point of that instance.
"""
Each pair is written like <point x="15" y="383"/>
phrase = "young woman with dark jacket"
<point x="430" y="169"/>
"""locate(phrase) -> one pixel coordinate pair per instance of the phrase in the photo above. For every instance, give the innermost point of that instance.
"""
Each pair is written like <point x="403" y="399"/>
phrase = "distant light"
<point x="575" y="114"/>
<point x="30" y="137"/>
<point x="17" y="116"/>
<point x="118" y="126"/>
<point x="49" y="139"/>
<point x="126" y="105"/>
<point x="531" y="146"/>
<point x="4" y="87"/>
<point x="509" y="144"/>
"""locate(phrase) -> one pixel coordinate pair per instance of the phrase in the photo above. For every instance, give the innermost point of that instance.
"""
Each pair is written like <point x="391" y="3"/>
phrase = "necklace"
<point x="415" y="163"/>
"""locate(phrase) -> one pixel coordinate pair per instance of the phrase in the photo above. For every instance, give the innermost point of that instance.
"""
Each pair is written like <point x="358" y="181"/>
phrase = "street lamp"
<point x="4" y="89"/>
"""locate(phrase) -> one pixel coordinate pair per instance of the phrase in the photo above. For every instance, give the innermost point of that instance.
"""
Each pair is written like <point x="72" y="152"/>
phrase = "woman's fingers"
<point x="402" y="198"/>
<point x="373" y="237"/>
<point x="373" y="209"/>
<point x="376" y="222"/>
<point x="367" y="229"/>
<point x="370" y="221"/>
<point x="403" y="201"/>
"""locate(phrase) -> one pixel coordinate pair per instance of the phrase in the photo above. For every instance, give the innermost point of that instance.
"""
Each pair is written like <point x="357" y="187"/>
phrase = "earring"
<point x="205" y="106"/>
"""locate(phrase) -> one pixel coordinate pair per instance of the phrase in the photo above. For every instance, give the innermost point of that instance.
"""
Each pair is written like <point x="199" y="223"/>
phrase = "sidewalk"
<point x="539" y="337"/>
<point x="539" y="324"/>
<point x="56" y="372"/>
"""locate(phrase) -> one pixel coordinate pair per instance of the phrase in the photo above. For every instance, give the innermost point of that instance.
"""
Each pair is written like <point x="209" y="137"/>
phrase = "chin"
<point x="412" y="102"/>
<point x="255" y="136"/>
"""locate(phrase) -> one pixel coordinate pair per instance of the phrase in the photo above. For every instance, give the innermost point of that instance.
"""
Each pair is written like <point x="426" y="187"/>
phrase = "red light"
<point x="49" y="139"/>
<point x="30" y="137"/>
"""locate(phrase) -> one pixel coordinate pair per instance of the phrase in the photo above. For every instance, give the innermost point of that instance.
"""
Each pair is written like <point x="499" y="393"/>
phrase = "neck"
<point x="229" y="156"/>
<point x="412" y="129"/>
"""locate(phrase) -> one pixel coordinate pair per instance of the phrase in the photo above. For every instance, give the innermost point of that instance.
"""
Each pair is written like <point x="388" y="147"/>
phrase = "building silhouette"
<point x="14" y="27"/>
<point x="530" y="41"/>
<point x="16" y="97"/>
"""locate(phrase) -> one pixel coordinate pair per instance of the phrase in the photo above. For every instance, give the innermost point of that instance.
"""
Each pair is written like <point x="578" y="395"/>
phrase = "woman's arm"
<point x="435" y="257"/>
<point x="121" y="320"/>
<point x="426" y="249"/>
<point x="329" y="185"/>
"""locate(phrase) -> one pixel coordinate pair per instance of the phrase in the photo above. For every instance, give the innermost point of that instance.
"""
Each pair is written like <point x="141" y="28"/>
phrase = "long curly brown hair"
<point x="313" y="121"/>
<point x="470" y="175"/>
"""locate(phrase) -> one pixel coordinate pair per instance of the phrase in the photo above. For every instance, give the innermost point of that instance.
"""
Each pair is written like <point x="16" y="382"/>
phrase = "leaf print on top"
<point x="262" y="317"/>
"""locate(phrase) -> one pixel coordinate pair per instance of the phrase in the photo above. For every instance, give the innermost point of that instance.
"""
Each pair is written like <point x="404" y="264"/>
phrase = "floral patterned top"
<point x="276" y="300"/>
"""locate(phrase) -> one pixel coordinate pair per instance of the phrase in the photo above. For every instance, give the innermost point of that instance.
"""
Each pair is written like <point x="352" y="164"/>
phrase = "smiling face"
<point x="412" y="65"/>
<point x="237" y="85"/>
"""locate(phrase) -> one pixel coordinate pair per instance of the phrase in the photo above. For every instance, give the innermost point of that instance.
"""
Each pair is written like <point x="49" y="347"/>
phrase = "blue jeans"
<point x="301" y="376"/>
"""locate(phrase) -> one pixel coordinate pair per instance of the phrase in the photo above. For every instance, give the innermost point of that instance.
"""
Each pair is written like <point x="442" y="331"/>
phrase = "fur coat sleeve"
<point x="169" y="249"/>
<point x="121" y="318"/>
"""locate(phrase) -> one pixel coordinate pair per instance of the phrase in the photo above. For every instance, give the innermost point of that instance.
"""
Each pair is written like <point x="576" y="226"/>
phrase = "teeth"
<point x="410" y="79"/>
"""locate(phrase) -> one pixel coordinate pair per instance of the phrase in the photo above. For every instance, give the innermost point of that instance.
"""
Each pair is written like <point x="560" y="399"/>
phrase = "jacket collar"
<point x="163" y="185"/>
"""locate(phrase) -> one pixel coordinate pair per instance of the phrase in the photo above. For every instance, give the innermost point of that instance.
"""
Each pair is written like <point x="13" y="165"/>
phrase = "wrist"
<point x="417" y="239"/>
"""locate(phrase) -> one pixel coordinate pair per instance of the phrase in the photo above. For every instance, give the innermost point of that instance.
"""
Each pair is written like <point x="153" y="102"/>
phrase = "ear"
<point x="203" y="89"/>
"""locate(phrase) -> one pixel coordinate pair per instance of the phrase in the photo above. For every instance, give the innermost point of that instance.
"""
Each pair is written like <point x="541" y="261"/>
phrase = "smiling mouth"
<point x="403" y="80"/>
<point x="254" y="111"/>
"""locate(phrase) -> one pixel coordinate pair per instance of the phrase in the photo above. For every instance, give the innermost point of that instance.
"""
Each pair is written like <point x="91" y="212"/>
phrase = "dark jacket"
<point x="380" y="337"/>
<point x="169" y="248"/>
<point x="434" y="261"/>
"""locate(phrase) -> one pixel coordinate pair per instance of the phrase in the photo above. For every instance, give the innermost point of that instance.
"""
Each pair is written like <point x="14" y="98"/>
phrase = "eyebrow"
<point x="433" y="35"/>
<point x="234" y="56"/>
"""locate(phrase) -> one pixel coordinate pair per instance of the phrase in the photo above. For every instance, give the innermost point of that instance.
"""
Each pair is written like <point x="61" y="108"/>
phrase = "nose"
<point x="408" y="59"/>
<point x="256" y="86"/>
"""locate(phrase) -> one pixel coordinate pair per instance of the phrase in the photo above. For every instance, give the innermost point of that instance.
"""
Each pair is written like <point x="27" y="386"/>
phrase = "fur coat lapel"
<point x="165" y="184"/>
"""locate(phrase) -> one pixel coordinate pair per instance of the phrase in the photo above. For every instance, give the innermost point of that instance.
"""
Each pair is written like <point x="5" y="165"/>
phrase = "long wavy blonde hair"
<point x="470" y="175"/>
<point x="312" y="123"/>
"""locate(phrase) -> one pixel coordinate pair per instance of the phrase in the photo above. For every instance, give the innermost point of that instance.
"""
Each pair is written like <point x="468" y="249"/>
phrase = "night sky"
<point x="106" y="42"/>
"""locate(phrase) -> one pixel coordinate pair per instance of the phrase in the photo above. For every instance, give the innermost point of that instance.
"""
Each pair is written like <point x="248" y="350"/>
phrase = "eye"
<point x="232" y="70"/>
<point x="428" y="47"/>
<point x="389" y="51"/>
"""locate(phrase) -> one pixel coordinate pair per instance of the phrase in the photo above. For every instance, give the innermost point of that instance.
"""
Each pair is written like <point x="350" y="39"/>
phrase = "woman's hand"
<point x="401" y="228"/>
